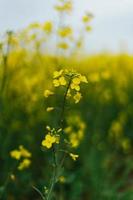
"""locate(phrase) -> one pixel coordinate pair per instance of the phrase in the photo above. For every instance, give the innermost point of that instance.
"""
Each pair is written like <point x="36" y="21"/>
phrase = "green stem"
<point x="55" y="163"/>
<point x="53" y="181"/>
<point x="39" y="192"/>
<point x="61" y="119"/>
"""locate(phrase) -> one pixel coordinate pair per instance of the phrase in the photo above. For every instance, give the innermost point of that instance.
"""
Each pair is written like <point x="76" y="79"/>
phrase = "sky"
<point x="112" y="24"/>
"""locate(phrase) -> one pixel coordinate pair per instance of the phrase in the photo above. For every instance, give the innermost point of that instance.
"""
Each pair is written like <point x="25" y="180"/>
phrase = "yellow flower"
<point x="83" y="79"/>
<point x="116" y="130"/>
<point x="76" y="81"/>
<point x="49" y="109"/>
<point x="34" y="26"/>
<point x="75" y="137"/>
<point x="62" y="179"/>
<point x="94" y="77"/>
<point x="24" y="152"/>
<point x="87" y="18"/>
<point x="56" y="82"/>
<point x="24" y="164"/>
<point x="77" y="97"/>
<point x="82" y="125"/>
<point x="14" y="41"/>
<point x="74" y="156"/>
<point x="80" y="134"/>
<point x="56" y="74"/>
<point x="65" y="32"/>
<point x="66" y="7"/>
<point x="63" y="45"/>
<point x="62" y="81"/>
<point x="74" y="141"/>
<point x="48" y="93"/>
<point x="105" y="75"/>
<point x="48" y="26"/>
<point x="75" y="87"/>
<point x="15" y="154"/>
<point x="126" y="144"/>
<point x="49" y="141"/>
<point x="68" y="129"/>
<point x="18" y="154"/>
<point x="88" y="28"/>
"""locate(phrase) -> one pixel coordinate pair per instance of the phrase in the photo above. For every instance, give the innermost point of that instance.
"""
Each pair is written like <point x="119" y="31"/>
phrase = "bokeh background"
<point x="112" y="24"/>
<point x="31" y="49"/>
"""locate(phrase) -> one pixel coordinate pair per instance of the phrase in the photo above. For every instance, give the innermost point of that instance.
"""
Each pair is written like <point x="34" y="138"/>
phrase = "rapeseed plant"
<point x="55" y="139"/>
<point x="22" y="155"/>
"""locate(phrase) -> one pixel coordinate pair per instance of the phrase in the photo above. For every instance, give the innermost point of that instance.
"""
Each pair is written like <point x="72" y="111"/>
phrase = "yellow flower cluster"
<point x="117" y="135"/>
<point x="24" y="164"/>
<point x="86" y="20"/>
<point x="71" y="80"/>
<point x="47" y="27"/>
<point x="64" y="77"/>
<point x="23" y="154"/>
<point x="77" y="97"/>
<point x="60" y="81"/>
<point x="75" y="130"/>
<point x="51" y="138"/>
<point x="77" y="80"/>
<point x="65" y="32"/>
<point x="63" y="45"/>
<point x="48" y="93"/>
<point x="116" y="130"/>
<point x="66" y="6"/>
<point x="34" y="25"/>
